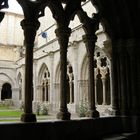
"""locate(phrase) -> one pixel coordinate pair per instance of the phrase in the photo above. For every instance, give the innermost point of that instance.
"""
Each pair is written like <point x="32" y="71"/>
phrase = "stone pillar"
<point x="75" y="70"/>
<point x="29" y="33"/>
<point x="45" y="91"/>
<point x="35" y="81"/>
<point x="115" y="72"/>
<point x="90" y="26"/>
<point x="63" y="38"/>
<point x="32" y="11"/>
<point x="95" y="88"/>
<point x="90" y="45"/>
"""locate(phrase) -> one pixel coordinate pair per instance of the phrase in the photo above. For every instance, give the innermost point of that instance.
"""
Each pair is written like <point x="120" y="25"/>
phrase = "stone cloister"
<point x="42" y="89"/>
<point x="107" y="77"/>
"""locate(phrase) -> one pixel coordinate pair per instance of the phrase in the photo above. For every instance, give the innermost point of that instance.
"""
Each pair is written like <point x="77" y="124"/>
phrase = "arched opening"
<point x="44" y="78"/>
<point x="6" y="92"/>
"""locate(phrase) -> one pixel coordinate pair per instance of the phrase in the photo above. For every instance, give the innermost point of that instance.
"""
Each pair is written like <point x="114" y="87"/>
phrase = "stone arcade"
<point x="120" y="68"/>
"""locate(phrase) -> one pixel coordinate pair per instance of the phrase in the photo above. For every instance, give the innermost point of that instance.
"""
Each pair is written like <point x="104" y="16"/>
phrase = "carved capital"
<point x="30" y="29"/>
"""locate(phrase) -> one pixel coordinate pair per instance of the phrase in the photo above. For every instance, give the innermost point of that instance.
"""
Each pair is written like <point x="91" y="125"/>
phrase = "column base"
<point x="28" y="117"/>
<point x="92" y="114"/>
<point x="63" y="115"/>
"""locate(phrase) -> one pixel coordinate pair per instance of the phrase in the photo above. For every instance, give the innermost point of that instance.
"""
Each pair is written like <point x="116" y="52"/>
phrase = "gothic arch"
<point x="70" y="82"/>
<point x="43" y="69"/>
<point x="4" y="78"/>
<point x="44" y="83"/>
<point x="101" y="76"/>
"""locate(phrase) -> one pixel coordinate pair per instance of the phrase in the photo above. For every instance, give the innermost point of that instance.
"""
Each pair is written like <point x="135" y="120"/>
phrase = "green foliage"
<point x="82" y="108"/>
<point x="42" y="108"/>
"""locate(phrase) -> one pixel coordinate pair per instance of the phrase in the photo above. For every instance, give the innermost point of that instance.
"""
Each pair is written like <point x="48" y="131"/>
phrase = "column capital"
<point x="30" y="24"/>
<point x="32" y="9"/>
<point x="63" y="31"/>
<point x="30" y="27"/>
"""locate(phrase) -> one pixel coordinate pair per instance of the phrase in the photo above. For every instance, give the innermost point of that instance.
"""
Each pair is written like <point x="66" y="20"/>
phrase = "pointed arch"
<point x="44" y="82"/>
<point x="70" y="82"/>
<point x="101" y="62"/>
<point x="4" y="78"/>
<point x="43" y="72"/>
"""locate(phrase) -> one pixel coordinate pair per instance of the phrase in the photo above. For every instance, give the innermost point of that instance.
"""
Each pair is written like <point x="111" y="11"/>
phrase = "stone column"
<point x="95" y="85"/>
<point x="63" y="38"/>
<point x="29" y="33"/>
<point x="90" y="26"/>
<point x="90" y="45"/>
<point x="75" y="70"/>
<point x="35" y="80"/>
<point x="32" y="11"/>
<point x="115" y="72"/>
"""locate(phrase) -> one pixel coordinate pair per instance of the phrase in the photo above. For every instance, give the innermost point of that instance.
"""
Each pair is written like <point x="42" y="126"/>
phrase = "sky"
<point x="14" y="7"/>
